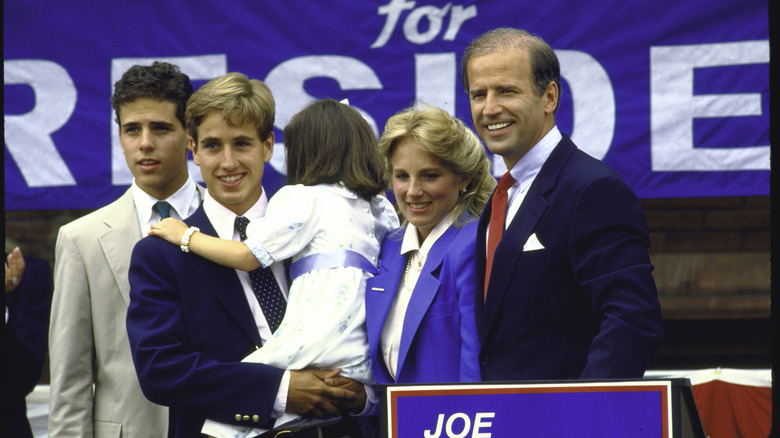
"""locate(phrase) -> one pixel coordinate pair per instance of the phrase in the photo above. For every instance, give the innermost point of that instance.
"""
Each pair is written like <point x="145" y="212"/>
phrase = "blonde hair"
<point x="437" y="132"/>
<point x="239" y="99"/>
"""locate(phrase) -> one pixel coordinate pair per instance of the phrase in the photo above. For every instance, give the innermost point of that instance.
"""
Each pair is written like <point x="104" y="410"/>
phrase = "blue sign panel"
<point x="674" y="95"/>
<point x="616" y="409"/>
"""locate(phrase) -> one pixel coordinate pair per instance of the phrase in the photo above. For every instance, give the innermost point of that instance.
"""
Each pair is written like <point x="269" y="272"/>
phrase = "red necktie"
<point x="497" y="219"/>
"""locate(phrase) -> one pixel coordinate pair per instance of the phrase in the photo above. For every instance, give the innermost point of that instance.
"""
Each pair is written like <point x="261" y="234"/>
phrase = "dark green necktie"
<point x="163" y="209"/>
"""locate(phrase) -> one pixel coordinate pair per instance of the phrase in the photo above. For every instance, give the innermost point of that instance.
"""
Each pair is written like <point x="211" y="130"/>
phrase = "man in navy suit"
<point x="191" y="321"/>
<point x="565" y="287"/>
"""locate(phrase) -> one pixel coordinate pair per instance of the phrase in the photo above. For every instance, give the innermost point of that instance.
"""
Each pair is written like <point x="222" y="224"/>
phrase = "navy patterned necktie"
<point x="264" y="285"/>
<point x="163" y="209"/>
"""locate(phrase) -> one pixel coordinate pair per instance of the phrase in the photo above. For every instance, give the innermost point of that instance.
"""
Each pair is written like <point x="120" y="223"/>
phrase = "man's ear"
<point x="268" y="144"/>
<point x="551" y="94"/>
<point x="194" y="148"/>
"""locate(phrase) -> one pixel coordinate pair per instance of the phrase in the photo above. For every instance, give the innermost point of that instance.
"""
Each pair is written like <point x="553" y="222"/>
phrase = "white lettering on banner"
<point x="435" y="17"/>
<point x="449" y="427"/>
<point x="434" y="80"/>
<point x="201" y="67"/>
<point x="479" y="424"/>
<point x="287" y="79"/>
<point x="28" y="136"/>
<point x="673" y="107"/>
<point x="411" y="26"/>
<point x="673" y="104"/>
<point x="593" y="101"/>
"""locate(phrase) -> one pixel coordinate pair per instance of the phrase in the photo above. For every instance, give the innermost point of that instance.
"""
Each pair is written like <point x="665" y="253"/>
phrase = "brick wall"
<point x="712" y="260"/>
<point x="35" y="231"/>
<point x="712" y="256"/>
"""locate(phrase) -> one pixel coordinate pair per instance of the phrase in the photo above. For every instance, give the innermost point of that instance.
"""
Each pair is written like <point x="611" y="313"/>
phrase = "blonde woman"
<point x="420" y="307"/>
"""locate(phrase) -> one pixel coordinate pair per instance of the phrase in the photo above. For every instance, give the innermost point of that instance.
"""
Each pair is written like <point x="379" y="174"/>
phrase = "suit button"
<point x="484" y="360"/>
<point x="256" y="418"/>
<point x="238" y="417"/>
<point x="246" y="418"/>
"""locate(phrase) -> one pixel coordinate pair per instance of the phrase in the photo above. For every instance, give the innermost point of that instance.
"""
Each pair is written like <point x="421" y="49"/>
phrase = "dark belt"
<point x="340" y="428"/>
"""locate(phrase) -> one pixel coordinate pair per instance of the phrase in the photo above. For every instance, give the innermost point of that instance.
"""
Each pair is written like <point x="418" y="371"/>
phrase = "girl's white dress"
<point x="321" y="228"/>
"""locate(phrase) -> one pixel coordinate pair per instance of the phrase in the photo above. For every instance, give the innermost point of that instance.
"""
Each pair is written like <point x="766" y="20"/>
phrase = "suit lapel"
<point x="123" y="232"/>
<point x="423" y="295"/>
<point x="379" y="300"/>
<point x="510" y="248"/>
<point x="222" y="281"/>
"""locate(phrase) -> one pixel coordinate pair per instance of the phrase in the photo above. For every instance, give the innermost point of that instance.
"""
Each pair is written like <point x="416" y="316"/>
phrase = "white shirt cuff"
<point x="280" y="405"/>
<point x="372" y="402"/>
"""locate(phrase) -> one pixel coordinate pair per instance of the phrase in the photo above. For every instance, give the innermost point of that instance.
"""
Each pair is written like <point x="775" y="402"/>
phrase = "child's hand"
<point x="169" y="229"/>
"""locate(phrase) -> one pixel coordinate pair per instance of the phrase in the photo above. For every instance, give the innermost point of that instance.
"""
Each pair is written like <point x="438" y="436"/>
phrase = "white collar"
<point x="223" y="220"/>
<point x="527" y="167"/>
<point x="411" y="240"/>
<point x="180" y="201"/>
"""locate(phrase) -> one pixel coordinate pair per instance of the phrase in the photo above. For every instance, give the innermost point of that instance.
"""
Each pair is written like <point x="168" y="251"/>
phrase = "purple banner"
<point x="674" y="95"/>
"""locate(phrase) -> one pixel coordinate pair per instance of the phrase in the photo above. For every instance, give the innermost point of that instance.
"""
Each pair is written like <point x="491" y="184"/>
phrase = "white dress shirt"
<point x="525" y="170"/>
<point x="183" y="203"/>
<point x="223" y="221"/>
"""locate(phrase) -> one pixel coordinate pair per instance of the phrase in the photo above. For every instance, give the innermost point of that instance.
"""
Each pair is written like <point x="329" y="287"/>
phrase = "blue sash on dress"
<point x="332" y="259"/>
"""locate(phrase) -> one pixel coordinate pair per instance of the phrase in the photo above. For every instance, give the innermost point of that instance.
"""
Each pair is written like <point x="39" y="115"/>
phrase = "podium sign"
<point x="637" y="408"/>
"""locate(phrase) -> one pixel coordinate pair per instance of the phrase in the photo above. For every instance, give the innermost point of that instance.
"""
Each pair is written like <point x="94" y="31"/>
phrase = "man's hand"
<point x="349" y="406"/>
<point x="14" y="267"/>
<point x="308" y="395"/>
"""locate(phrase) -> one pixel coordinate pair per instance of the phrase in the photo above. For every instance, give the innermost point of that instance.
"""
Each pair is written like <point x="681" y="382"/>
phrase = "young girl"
<point x="330" y="221"/>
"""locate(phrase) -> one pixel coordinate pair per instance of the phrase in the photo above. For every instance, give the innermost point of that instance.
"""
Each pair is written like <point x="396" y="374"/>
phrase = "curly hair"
<point x="161" y="81"/>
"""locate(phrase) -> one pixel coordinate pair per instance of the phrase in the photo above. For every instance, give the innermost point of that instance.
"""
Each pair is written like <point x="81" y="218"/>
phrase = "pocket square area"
<point x="533" y="243"/>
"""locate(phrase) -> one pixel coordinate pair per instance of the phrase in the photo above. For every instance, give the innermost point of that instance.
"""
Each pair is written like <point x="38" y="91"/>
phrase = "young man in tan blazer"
<point x="94" y="388"/>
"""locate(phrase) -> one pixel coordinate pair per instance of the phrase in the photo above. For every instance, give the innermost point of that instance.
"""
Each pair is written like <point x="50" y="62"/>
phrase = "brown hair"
<point x="161" y="81"/>
<point x="329" y="142"/>
<point x="544" y="62"/>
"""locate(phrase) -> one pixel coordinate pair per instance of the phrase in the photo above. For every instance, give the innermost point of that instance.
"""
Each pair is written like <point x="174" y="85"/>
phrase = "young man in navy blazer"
<point x="192" y="321"/>
<point x="570" y="294"/>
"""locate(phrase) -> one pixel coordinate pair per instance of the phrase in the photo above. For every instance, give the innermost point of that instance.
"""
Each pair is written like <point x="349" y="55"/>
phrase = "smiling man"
<point x="565" y="288"/>
<point x="87" y="339"/>
<point x="192" y="321"/>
